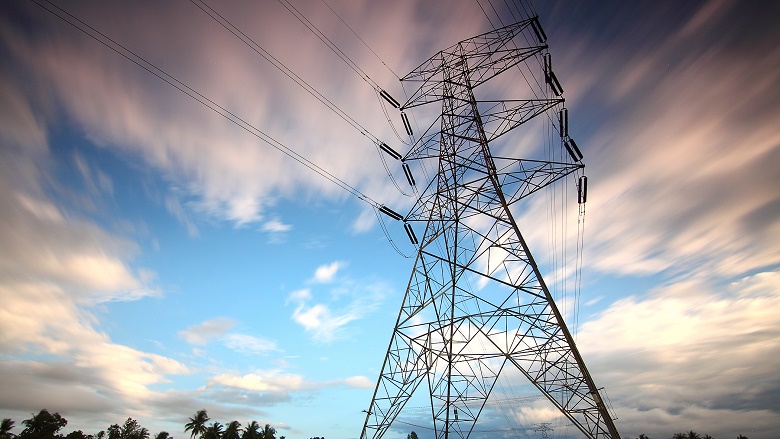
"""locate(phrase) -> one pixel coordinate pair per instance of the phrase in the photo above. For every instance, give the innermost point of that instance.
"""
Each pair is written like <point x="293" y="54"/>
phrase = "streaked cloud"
<point x="691" y="353"/>
<point x="250" y="345"/>
<point x="276" y="226"/>
<point x="207" y="331"/>
<point x="676" y="117"/>
<point x="276" y="381"/>
<point x="348" y="301"/>
<point x="273" y="381"/>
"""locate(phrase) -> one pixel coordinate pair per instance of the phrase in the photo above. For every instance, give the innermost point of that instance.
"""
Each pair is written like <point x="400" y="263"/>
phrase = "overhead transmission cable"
<point x="222" y="111"/>
<point x="257" y="48"/>
<point x="361" y="40"/>
<point x="529" y="11"/>
<point x="203" y="100"/>
<point x="327" y="41"/>
<point x="381" y="93"/>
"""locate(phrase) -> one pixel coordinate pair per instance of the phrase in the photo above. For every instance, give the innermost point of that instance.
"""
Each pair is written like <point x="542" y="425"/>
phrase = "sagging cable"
<point x="389" y="99"/>
<point x="393" y="153"/>
<point x="407" y="125"/>
<point x="410" y="233"/>
<point x="391" y="213"/>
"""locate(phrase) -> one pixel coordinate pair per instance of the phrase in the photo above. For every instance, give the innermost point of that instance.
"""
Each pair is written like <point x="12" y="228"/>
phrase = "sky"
<point x="158" y="259"/>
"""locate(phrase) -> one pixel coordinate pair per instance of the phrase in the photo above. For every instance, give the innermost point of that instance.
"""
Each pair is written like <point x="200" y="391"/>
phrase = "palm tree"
<point x="213" y="431"/>
<point x="268" y="432"/>
<point x="252" y="431"/>
<point x="197" y="424"/>
<point x="43" y="425"/>
<point x="5" y="428"/>
<point x="232" y="431"/>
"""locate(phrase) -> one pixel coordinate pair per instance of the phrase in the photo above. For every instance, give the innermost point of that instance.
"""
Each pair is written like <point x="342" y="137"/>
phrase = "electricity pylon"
<point x="476" y="305"/>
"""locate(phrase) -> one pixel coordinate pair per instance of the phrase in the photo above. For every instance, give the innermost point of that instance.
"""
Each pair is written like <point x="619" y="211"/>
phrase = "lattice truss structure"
<point x="476" y="305"/>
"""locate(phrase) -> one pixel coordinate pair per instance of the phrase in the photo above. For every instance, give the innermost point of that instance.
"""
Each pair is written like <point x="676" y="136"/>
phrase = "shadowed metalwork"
<point x="476" y="304"/>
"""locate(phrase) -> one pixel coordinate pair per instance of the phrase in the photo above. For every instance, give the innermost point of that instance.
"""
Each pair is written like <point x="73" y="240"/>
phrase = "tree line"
<point x="46" y="425"/>
<point x="690" y="435"/>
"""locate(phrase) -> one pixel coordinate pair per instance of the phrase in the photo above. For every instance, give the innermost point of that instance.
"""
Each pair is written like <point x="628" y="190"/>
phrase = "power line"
<point x="361" y="40"/>
<point x="262" y="52"/>
<point x="257" y="48"/>
<point x="327" y="41"/>
<point x="200" y="98"/>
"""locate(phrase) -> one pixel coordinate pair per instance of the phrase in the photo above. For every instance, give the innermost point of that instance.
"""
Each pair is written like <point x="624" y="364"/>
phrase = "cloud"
<point x="88" y="374"/>
<point x="691" y="354"/>
<point x="326" y="273"/>
<point x="248" y="344"/>
<point x="175" y="207"/>
<point x="207" y="331"/>
<point x="273" y="381"/>
<point x="349" y="301"/>
<point x="276" y="226"/>
<point x="680" y="178"/>
<point x="230" y="173"/>
<point x="218" y="329"/>
<point x="276" y="381"/>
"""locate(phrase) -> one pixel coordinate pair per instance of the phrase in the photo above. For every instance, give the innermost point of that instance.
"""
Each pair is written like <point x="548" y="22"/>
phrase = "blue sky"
<point x="156" y="259"/>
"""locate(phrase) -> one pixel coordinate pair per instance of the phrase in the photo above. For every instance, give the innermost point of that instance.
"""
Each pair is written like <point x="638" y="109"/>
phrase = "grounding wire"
<point x="205" y="101"/>
<point x="327" y="41"/>
<point x="361" y="40"/>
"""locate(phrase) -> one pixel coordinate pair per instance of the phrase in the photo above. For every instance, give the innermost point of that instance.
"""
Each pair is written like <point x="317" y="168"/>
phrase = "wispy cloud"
<point x="249" y="344"/>
<point x="348" y="301"/>
<point x="276" y="226"/>
<point x="219" y="330"/>
<point x="277" y="381"/>
<point x="207" y="331"/>
<point x="326" y="273"/>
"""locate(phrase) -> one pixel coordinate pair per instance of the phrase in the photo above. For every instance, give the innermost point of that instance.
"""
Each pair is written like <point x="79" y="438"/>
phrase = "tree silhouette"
<point x="44" y="425"/>
<point x="232" y="431"/>
<point x="197" y="424"/>
<point x="5" y="428"/>
<point x="268" y="432"/>
<point x="213" y="431"/>
<point x="411" y="435"/>
<point x="252" y="431"/>
<point x="133" y="430"/>
<point x="163" y="435"/>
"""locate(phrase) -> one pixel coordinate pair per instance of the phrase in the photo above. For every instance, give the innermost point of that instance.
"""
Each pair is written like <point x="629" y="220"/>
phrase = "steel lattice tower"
<point x="476" y="304"/>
